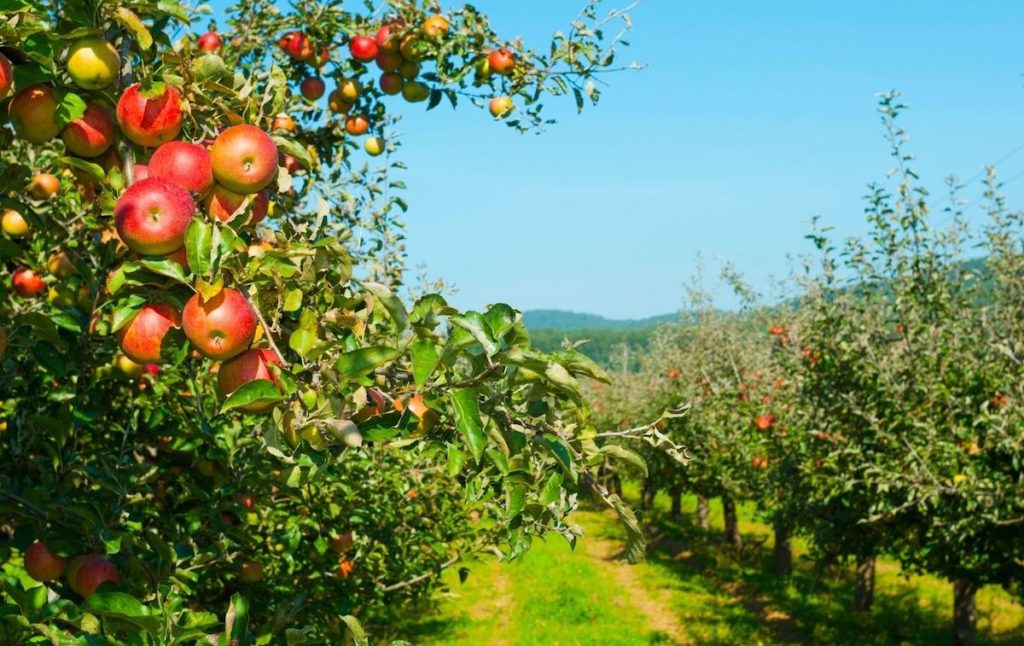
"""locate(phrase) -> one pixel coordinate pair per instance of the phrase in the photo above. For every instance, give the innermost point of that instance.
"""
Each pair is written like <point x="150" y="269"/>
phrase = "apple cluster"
<point x="84" y="573"/>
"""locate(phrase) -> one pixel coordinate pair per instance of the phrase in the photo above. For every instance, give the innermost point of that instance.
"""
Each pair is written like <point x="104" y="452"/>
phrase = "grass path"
<point x="692" y="589"/>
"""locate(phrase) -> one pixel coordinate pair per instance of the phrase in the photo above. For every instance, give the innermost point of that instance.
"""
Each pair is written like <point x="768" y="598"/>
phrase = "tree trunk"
<point x="965" y="615"/>
<point x="703" y="521"/>
<point x="783" y="552"/>
<point x="864" y="589"/>
<point x="647" y="497"/>
<point x="677" y="503"/>
<point x="732" y="527"/>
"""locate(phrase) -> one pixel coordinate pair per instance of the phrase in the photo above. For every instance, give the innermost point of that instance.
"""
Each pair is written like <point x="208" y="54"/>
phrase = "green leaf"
<point x="123" y="607"/>
<point x="552" y="489"/>
<point x="292" y="300"/>
<point x="476" y="325"/>
<point x="467" y="420"/>
<point x="125" y="310"/>
<point x="624" y="454"/>
<point x="261" y="391"/>
<point x="236" y="622"/>
<point x="456" y="460"/>
<point x="363" y="361"/>
<point x="70" y="106"/>
<point x="391" y="303"/>
<point x="165" y="267"/>
<point x="358" y="634"/>
<point x="500" y="318"/>
<point x="131" y="21"/>
<point x="199" y="246"/>
<point x="515" y="500"/>
<point x="93" y="172"/>
<point x="293" y="148"/>
<point x="578" y="363"/>
<point x="425" y="357"/>
<point x="304" y="338"/>
<point x="636" y="543"/>
<point x="561" y="451"/>
<point x="209" y="66"/>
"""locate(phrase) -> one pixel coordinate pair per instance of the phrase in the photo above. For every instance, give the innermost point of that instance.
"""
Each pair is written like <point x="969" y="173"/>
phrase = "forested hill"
<point x="606" y="338"/>
<point x="565" y="320"/>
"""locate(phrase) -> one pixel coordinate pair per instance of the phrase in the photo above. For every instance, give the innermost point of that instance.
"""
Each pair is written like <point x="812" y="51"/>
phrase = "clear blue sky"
<point x="750" y="118"/>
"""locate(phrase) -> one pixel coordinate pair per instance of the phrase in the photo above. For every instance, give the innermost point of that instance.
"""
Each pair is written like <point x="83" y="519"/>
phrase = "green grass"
<point x="691" y="589"/>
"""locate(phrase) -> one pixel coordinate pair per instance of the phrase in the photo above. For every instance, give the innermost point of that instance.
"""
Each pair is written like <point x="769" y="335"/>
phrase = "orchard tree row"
<point x="220" y="419"/>
<point x="878" y="411"/>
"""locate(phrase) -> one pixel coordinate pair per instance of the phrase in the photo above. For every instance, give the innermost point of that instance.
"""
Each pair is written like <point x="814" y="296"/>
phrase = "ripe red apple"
<point x="502" y="61"/>
<point x="93" y="63"/>
<point x="250" y="572"/>
<point x="90" y="135"/>
<point x="244" y="159"/>
<point x="387" y="38"/>
<point x="209" y="42"/>
<point x="764" y="422"/>
<point x="6" y="76"/>
<point x="141" y="172"/>
<point x="391" y="83"/>
<point x="501" y="107"/>
<point x="224" y="204"/>
<point x="33" y="113"/>
<point x="291" y="164"/>
<point x="341" y="544"/>
<point x="142" y="338"/>
<point x="151" y="216"/>
<point x="312" y="88"/>
<point x="187" y="165"/>
<point x="297" y="45"/>
<point x="88" y="572"/>
<point x="221" y="327"/>
<point x="363" y="48"/>
<point x="389" y="61"/>
<point x="42" y="564"/>
<point x="149" y="122"/>
<point x="26" y="282"/>
<point x="357" y="125"/>
<point x="283" y="122"/>
<point x="251" y="365"/>
<point x="44" y="186"/>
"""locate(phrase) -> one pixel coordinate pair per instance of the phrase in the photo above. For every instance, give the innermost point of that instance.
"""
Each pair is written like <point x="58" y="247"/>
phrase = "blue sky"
<point x="750" y="118"/>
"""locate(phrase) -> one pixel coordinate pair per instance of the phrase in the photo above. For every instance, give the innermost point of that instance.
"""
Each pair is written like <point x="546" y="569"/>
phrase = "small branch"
<point x="423" y="577"/>
<point x="266" y="330"/>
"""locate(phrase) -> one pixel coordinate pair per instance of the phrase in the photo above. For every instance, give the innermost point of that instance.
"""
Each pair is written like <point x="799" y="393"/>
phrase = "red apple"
<point x="291" y="164"/>
<point x="44" y="186"/>
<point x="363" y="48"/>
<point x="387" y="39"/>
<point x="6" y="76"/>
<point x="187" y="165"/>
<point x="341" y="544"/>
<point x="251" y="365"/>
<point x="357" y="125"/>
<point x="88" y="572"/>
<point x="501" y="107"/>
<point x="142" y="338"/>
<point x="296" y="45"/>
<point x="250" y="572"/>
<point x="141" y="172"/>
<point x="764" y="422"/>
<point x="33" y="113"/>
<point x="26" y="282"/>
<point x="91" y="135"/>
<point x="151" y="216"/>
<point x="312" y="88"/>
<point x="389" y="61"/>
<point x="224" y="204"/>
<point x="221" y="327"/>
<point x="391" y="83"/>
<point x="180" y="257"/>
<point x="209" y="42"/>
<point x="149" y="122"/>
<point x="244" y="159"/>
<point x="42" y="564"/>
<point x="501" y="61"/>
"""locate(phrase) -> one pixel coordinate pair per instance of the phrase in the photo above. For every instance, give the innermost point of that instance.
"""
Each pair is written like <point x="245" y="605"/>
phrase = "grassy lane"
<point x="691" y="589"/>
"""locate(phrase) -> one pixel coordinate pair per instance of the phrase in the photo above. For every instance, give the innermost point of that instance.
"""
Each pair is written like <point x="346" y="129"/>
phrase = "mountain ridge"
<point x="567" y="320"/>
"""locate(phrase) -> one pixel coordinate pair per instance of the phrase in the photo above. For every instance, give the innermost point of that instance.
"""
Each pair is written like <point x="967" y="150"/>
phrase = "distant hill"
<point x="566" y="320"/>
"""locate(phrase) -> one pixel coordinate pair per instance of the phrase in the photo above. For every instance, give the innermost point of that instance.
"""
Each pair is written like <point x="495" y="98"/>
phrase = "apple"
<point x="374" y="146"/>
<point x="179" y="257"/>
<point x="33" y="113"/>
<point x="90" y="135"/>
<point x="128" y="367"/>
<point x="312" y="88"/>
<point x="142" y="337"/>
<point x="349" y="90"/>
<point x="26" y="282"/>
<point x="391" y="83"/>
<point x="363" y="48"/>
<point x="501" y="107"/>
<point x="244" y="159"/>
<point x="409" y="70"/>
<point x="387" y="38"/>
<point x="43" y="186"/>
<point x="764" y="422"/>
<point x="345" y="567"/>
<point x="140" y="171"/>
<point x="209" y="42"/>
<point x="60" y="265"/>
<point x="412" y="48"/>
<point x="389" y="62"/>
<point x="427" y="416"/>
<point x="149" y="121"/>
<point x="224" y="204"/>
<point x="250" y="572"/>
<point x="14" y="224"/>
<point x="187" y="165"/>
<point x="291" y="164"/>
<point x="501" y="61"/>
<point x="6" y="76"/>
<point x="251" y="365"/>
<point x="88" y="572"/>
<point x="337" y="103"/>
<point x="296" y="45"/>
<point x="41" y="563"/>
<point x="357" y="125"/>
<point x="415" y="92"/>
<point x="283" y="122"/>
<point x="343" y="543"/>
<point x="151" y="216"/>
<point x="93" y="63"/>
<point x="221" y="327"/>
<point x="436" y="27"/>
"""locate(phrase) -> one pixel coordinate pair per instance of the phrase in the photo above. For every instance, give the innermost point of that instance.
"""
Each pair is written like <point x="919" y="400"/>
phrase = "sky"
<point x="748" y="119"/>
